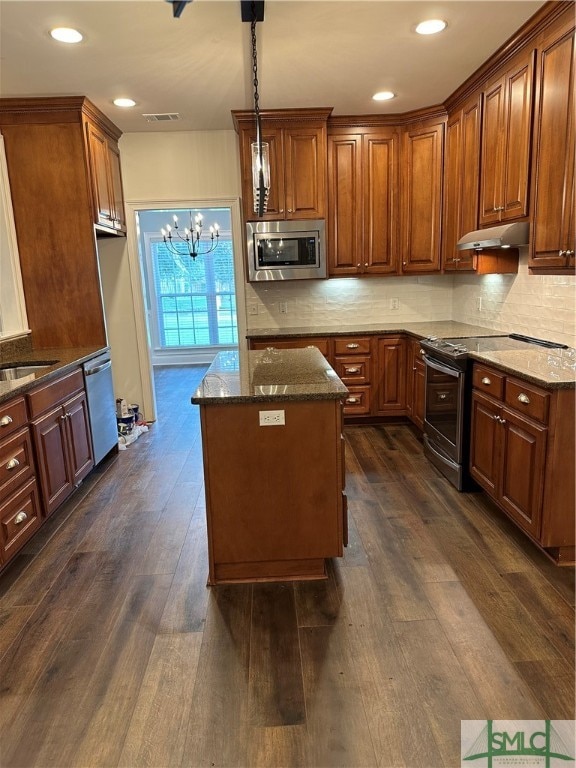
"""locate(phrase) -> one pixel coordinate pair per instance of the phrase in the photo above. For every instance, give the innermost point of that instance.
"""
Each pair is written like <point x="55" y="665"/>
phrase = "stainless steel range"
<point x="449" y="395"/>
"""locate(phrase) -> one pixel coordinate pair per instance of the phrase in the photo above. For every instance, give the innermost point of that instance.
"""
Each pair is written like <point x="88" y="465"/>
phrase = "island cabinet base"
<point x="274" y="494"/>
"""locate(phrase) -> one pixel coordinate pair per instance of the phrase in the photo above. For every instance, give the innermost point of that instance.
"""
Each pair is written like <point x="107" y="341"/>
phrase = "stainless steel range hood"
<point x="503" y="236"/>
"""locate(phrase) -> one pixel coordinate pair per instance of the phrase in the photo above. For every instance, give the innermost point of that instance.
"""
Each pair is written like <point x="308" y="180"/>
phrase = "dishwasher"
<point x="101" y="405"/>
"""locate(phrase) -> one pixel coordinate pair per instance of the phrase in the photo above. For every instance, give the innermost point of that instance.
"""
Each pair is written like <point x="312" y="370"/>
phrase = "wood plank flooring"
<point x="113" y="652"/>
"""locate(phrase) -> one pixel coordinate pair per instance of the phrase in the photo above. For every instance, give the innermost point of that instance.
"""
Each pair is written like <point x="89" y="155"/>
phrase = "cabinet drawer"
<point x="528" y="400"/>
<point x="13" y="416"/>
<point x="358" y="401"/>
<point x="19" y="519"/>
<point x="352" y="345"/>
<point x="353" y="370"/>
<point x="16" y="462"/>
<point x="46" y="397"/>
<point x="321" y="344"/>
<point x="487" y="380"/>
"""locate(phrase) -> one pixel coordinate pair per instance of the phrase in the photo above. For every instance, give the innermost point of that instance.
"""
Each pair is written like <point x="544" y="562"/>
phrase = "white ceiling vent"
<point x="163" y="117"/>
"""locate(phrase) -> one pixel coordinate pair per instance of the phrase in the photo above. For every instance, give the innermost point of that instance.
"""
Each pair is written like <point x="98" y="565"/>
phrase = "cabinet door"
<point x="523" y="461"/>
<point x="79" y="437"/>
<point x="391" y="378"/>
<point x="101" y="192"/>
<point x="345" y="247"/>
<point x="492" y="152"/>
<point x="553" y="178"/>
<point x="461" y="185"/>
<point x="117" y="194"/>
<point x="50" y="439"/>
<point x="421" y="179"/>
<point x="380" y="161"/>
<point x="418" y="393"/>
<point x="485" y="443"/>
<point x="305" y="173"/>
<point x="275" y="208"/>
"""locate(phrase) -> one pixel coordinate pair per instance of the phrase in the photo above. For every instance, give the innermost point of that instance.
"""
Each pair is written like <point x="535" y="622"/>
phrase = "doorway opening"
<point x="191" y="303"/>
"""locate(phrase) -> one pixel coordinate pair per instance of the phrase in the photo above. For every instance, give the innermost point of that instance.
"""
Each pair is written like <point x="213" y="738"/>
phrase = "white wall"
<point x="197" y="165"/>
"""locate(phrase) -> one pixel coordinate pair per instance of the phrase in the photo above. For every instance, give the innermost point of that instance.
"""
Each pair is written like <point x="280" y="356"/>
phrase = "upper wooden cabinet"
<point x="461" y="184"/>
<point x="363" y="201"/>
<point x="64" y="172"/>
<point x="506" y="142"/>
<point x="421" y="163"/>
<point x="297" y="148"/>
<point x="552" y="233"/>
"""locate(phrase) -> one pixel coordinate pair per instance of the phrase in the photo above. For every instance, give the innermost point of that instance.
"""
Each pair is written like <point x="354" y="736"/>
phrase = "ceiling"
<point x="317" y="53"/>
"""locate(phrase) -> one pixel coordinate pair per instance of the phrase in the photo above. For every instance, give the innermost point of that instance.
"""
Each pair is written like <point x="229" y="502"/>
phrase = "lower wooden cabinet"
<point x="391" y="376"/>
<point x="415" y="384"/>
<point x="522" y="454"/>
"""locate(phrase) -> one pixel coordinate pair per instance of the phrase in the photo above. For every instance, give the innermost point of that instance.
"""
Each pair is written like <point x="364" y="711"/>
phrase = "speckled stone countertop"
<point x="62" y="359"/>
<point x="441" y="328"/>
<point x="275" y="375"/>
<point x="551" y="368"/>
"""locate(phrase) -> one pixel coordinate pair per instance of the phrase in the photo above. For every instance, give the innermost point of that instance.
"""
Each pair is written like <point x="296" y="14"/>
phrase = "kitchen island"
<point x="273" y="465"/>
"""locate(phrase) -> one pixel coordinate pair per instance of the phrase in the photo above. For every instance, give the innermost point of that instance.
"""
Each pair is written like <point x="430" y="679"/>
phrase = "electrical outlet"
<point x="252" y="309"/>
<point x="479" y="303"/>
<point x="271" y="418"/>
<point x="283" y="307"/>
<point x="394" y="304"/>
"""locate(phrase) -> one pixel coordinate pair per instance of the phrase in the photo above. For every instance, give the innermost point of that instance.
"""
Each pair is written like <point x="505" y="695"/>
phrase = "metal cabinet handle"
<point x="358" y="265"/>
<point x="486" y="380"/>
<point x="352" y="346"/>
<point x="562" y="253"/>
<point x="351" y="400"/>
<point x="422" y="351"/>
<point x="498" y="208"/>
<point x="352" y="370"/>
<point x="569" y="253"/>
<point x="502" y="421"/>
<point x="13" y="463"/>
<point x="290" y="210"/>
<point x="365" y="263"/>
<point x="5" y="420"/>
<point x="495" y="417"/>
<point x="523" y="398"/>
<point x="442" y="396"/>
<point x="20" y="517"/>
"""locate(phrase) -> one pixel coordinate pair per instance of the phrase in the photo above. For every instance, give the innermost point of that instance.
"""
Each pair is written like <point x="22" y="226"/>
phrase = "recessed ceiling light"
<point x="383" y="96"/>
<point x="125" y="102"/>
<point x="430" y="27"/>
<point x="66" y="35"/>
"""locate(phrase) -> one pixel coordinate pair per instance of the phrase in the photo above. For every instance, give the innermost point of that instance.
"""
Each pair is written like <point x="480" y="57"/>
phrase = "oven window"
<point x="442" y="401"/>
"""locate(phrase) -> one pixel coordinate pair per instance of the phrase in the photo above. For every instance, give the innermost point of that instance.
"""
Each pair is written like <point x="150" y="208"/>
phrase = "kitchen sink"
<point x="10" y="371"/>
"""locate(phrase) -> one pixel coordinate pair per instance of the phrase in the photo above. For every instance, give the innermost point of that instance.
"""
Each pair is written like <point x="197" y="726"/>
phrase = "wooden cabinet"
<point x="19" y="505"/>
<point x="353" y="364"/>
<point x="363" y="201"/>
<point x="106" y="179"/>
<point x="415" y="383"/>
<point x="62" y="437"/>
<point x="64" y="174"/>
<point x="390" y="394"/>
<point x="506" y="142"/>
<point x="297" y="149"/>
<point x="522" y="454"/>
<point x="552" y="237"/>
<point x="321" y="343"/>
<point x="421" y="165"/>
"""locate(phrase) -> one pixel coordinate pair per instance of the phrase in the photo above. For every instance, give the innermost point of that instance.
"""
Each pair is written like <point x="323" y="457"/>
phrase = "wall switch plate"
<point x="394" y="304"/>
<point x="479" y="303"/>
<point x="283" y="307"/>
<point x="252" y="309"/>
<point x="271" y="418"/>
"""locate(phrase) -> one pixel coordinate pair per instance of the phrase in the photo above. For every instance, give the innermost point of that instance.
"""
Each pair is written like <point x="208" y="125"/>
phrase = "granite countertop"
<point x="63" y="360"/>
<point x="552" y="368"/>
<point x="277" y="375"/>
<point x="441" y="328"/>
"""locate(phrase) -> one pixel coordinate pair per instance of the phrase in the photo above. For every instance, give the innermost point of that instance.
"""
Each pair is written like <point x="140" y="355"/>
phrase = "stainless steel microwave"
<point x="285" y="250"/>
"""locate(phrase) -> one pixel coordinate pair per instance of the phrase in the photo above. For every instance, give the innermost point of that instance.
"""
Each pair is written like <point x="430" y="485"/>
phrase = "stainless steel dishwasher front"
<point x="101" y="405"/>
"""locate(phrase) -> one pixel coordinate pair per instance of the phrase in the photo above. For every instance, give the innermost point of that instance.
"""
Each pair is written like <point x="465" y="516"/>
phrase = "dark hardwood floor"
<point x="113" y="652"/>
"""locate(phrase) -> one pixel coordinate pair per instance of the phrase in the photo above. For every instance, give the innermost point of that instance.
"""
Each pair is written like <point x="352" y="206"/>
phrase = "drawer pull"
<point x="20" y="518"/>
<point x="352" y="345"/>
<point x="352" y="370"/>
<point x="12" y="464"/>
<point x="5" y="420"/>
<point x="486" y="380"/>
<point x="351" y="400"/>
<point x="524" y="398"/>
<point x="442" y="396"/>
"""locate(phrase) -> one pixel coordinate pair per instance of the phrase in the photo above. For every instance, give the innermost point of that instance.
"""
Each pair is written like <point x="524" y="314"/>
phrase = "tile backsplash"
<point x="536" y="305"/>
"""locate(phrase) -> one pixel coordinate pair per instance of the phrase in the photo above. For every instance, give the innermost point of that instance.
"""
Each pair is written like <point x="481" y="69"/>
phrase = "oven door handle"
<point x="448" y="370"/>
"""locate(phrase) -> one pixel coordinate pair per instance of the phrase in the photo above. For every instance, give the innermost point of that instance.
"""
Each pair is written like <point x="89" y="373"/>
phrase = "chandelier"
<point x="172" y="235"/>
<point x="260" y="149"/>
